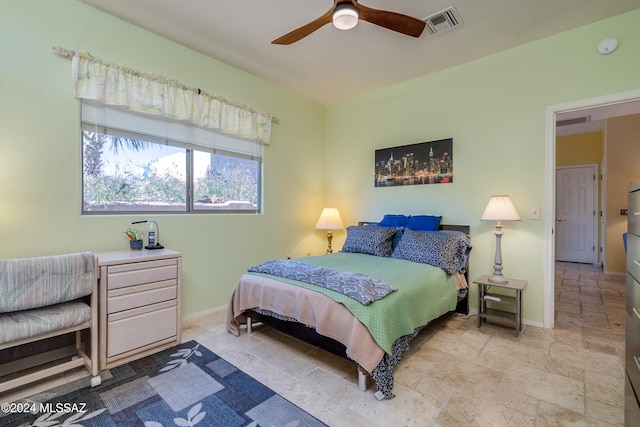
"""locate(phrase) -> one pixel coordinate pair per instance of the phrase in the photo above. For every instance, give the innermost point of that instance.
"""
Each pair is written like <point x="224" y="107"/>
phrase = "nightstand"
<point x="485" y="296"/>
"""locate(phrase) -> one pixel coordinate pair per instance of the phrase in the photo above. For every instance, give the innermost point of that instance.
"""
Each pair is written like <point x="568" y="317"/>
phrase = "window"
<point x="136" y="163"/>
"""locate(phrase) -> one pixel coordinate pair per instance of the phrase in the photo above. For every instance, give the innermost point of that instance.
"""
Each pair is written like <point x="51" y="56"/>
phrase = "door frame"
<point x="596" y="206"/>
<point x="550" y="185"/>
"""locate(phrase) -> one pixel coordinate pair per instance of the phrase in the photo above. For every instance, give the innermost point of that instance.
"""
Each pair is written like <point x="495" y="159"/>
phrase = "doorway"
<point x="600" y="104"/>
<point x="576" y="209"/>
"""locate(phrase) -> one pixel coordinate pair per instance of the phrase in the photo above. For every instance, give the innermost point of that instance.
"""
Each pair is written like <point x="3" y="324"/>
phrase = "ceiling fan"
<point x="345" y="15"/>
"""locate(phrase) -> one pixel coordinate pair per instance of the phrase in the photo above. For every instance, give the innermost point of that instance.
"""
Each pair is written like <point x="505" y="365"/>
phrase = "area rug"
<point x="187" y="385"/>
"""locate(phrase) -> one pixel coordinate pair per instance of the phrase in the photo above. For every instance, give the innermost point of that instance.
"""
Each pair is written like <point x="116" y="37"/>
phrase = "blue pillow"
<point x="394" y="221"/>
<point x="424" y="222"/>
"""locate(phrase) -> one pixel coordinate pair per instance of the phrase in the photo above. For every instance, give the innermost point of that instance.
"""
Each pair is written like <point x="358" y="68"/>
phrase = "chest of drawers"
<point x="139" y="294"/>
<point x="632" y="326"/>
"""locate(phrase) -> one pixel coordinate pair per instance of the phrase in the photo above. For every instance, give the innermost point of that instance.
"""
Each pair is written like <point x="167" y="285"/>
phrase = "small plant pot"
<point x="136" y="245"/>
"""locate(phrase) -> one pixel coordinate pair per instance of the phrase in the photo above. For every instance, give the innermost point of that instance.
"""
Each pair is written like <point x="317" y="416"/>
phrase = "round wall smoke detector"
<point x="607" y="46"/>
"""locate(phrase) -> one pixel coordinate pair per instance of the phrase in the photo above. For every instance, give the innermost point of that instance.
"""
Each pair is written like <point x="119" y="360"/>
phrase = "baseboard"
<point x="474" y="312"/>
<point x="205" y="312"/>
<point x="532" y="323"/>
<point x="615" y="273"/>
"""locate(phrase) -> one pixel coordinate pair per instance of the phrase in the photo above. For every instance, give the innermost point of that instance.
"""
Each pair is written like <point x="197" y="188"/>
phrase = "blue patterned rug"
<point x="187" y="385"/>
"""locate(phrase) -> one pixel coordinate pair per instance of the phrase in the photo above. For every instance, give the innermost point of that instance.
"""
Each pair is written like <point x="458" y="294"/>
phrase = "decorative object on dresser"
<point x="154" y="234"/>
<point x="139" y="304"/>
<point x="485" y="296"/>
<point x="632" y="324"/>
<point x="329" y="220"/>
<point x="427" y="268"/>
<point x="499" y="208"/>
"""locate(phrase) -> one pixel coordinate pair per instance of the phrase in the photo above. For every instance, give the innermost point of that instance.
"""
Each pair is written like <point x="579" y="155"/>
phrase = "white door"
<point x="576" y="213"/>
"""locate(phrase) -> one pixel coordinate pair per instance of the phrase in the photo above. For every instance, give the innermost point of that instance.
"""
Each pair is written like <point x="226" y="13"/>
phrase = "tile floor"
<point x="457" y="374"/>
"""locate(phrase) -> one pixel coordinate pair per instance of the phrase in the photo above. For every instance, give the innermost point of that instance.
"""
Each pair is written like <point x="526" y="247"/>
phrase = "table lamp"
<point x="499" y="208"/>
<point x="329" y="220"/>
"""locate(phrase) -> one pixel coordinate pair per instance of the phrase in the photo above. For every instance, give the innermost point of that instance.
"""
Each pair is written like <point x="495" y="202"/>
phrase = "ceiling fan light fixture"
<point x="345" y="17"/>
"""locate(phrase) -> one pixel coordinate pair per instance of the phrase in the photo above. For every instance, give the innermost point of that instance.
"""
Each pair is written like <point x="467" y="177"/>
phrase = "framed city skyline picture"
<point x="421" y="163"/>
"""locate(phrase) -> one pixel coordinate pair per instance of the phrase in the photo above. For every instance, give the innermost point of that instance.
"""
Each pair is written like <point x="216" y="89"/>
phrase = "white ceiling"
<point x="331" y="66"/>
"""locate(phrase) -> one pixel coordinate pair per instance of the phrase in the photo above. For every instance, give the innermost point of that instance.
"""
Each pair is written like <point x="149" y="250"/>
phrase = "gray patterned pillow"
<point x="446" y="250"/>
<point x="369" y="239"/>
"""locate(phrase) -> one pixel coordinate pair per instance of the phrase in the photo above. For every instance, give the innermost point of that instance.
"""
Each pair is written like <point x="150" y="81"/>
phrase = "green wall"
<point x="494" y="108"/>
<point x="40" y="170"/>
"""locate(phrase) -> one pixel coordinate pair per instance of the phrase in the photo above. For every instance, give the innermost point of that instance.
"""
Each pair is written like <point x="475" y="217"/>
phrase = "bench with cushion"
<point x="45" y="297"/>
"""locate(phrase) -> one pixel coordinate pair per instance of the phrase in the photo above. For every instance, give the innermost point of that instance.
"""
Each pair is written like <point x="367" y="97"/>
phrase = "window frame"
<point x="189" y="144"/>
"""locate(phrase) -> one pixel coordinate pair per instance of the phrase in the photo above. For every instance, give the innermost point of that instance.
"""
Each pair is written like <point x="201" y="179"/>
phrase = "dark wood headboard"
<point x="454" y="227"/>
<point x="451" y="227"/>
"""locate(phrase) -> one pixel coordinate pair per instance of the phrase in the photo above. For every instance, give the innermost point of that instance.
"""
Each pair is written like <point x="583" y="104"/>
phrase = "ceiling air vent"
<point x="445" y="20"/>
<point x="576" y="121"/>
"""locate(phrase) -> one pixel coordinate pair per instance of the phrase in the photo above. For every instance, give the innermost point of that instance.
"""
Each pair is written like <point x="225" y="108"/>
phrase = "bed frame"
<point x="310" y="336"/>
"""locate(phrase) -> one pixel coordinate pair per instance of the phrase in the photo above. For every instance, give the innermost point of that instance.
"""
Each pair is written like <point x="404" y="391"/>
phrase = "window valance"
<point x="113" y="84"/>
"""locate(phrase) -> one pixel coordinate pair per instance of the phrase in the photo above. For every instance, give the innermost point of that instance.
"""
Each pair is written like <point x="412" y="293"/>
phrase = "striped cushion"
<point x="29" y="323"/>
<point x="27" y="283"/>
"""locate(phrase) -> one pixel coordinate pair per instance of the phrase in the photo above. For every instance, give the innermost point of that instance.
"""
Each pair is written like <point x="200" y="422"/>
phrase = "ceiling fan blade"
<point x="393" y="21"/>
<point x="305" y="30"/>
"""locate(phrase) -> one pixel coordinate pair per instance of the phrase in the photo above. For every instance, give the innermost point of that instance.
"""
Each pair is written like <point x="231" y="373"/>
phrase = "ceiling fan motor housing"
<point x="345" y="16"/>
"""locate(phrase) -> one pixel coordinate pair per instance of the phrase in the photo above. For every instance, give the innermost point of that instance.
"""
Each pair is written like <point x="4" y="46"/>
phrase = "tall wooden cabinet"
<point x="139" y="295"/>
<point x="632" y="332"/>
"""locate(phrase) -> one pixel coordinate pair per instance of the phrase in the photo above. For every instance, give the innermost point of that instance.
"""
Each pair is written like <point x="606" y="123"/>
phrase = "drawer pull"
<point x="636" y="312"/>
<point x="636" y="262"/>
<point x="636" y="213"/>
<point x="637" y="360"/>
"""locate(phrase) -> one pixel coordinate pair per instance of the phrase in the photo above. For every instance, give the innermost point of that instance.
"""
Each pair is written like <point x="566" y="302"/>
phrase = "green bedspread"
<point x="424" y="293"/>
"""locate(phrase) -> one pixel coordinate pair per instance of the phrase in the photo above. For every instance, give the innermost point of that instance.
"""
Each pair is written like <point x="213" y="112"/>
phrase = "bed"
<point x="403" y="279"/>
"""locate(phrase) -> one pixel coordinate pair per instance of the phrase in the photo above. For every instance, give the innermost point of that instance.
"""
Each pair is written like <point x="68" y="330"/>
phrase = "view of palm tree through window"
<point x="128" y="175"/>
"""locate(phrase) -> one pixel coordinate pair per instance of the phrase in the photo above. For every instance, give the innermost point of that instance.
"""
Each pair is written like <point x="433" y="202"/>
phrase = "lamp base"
<point x="498" y="279"/>
<point x="157" y="246"/>
<point x="329" y="237"/>
<point x="497" y="276"/>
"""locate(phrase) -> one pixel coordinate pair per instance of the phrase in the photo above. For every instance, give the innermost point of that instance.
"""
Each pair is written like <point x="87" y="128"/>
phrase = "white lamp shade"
<point x="500" y="208"/>
<point x="329" y="220"/>
<point x="345" y="17"/>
